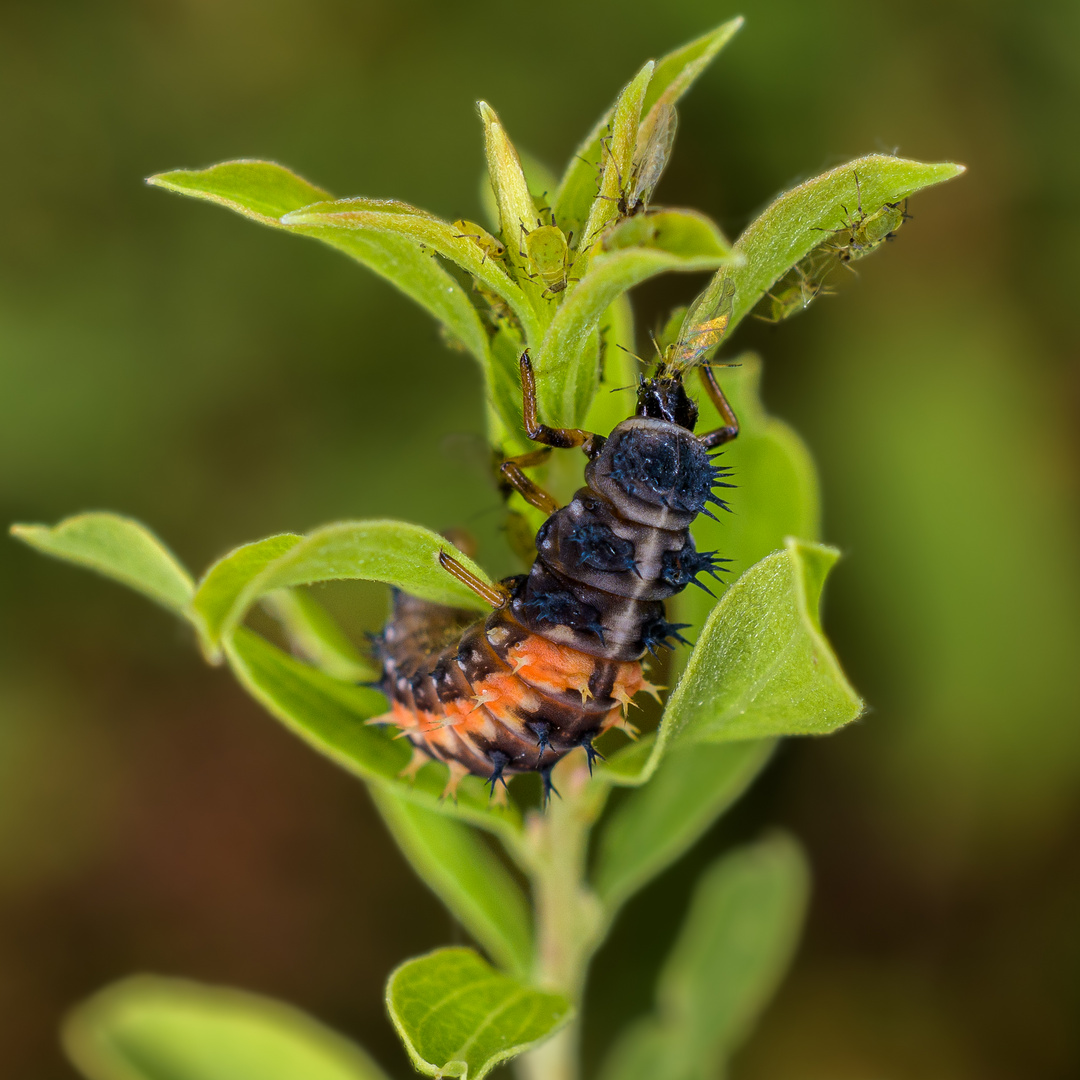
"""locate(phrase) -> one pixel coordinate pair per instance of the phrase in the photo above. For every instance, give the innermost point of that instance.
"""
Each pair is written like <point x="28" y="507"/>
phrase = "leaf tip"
<point x="31" y="535"/>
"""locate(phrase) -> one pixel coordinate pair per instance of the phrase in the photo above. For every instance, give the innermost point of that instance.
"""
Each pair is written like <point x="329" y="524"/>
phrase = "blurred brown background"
<point x="221" y="382"/>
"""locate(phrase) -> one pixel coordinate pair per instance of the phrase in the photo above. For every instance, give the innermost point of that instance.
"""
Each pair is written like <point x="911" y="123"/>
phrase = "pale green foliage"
<point x="751" y="677"/>
<point x="651" y="828"/>
<point x="314" y="636"/>
<point x="464" y="872"/>
<point x="731" y="952"/>
<point x="119" y="548"/>
<point x="168" y="1029"/>
<point x="458" y="1016"/>
<point x="554" y="280"/>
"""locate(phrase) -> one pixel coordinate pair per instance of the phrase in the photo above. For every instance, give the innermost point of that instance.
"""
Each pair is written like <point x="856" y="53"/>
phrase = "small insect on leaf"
<point x="548" y="253"/>
<point x="656" y="137"/>
<point x="803" y="284"/>
<point x="705" y="325"/>
<point x="491" y="246"/>
<point x="863" y="233"/>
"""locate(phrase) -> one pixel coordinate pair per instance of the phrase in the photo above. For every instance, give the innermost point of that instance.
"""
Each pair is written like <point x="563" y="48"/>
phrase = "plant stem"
<point x="569" y="918"/>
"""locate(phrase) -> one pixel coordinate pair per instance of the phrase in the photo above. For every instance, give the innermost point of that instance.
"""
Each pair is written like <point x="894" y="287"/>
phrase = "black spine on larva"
<point x="608" y="560"/>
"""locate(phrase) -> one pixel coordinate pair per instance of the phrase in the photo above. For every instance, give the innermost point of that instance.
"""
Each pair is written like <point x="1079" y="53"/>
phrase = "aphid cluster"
<point x="859" y="235"/>
<point x="559" y="658"/>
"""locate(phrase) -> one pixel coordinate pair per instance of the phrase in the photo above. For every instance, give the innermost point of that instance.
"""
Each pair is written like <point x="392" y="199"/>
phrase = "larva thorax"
<point x="608" y="560"/>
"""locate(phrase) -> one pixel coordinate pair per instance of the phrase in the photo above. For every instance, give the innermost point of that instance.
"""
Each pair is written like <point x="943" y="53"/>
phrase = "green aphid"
<point x="797" y="289"/>
<point x="490" y="245"/>
<point x="656" y="136"/>
<point x="547" y="252"/>
<point x="864" y="233"/>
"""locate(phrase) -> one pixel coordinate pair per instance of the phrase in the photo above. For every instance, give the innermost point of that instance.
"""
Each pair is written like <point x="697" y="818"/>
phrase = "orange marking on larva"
<point x="399" y="716"/>
<point x="505" y="692"/>
<point x="442" y="740"/>
<point x="552" y="667"/>
<point x="465" y="716"/>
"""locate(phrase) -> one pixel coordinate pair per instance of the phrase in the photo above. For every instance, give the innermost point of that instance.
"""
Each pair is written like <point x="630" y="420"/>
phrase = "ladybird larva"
<point x="560" y="656"/>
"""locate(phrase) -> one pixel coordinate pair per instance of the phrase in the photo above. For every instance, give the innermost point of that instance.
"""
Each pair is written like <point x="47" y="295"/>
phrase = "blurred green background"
<point x="221" y="382"/>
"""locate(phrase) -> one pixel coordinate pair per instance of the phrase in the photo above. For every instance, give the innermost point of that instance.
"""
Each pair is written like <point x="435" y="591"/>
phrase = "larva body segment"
<point x="558" y="663"/>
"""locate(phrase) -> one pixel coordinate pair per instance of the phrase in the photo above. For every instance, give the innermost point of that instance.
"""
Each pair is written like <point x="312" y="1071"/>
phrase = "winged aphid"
<point x="798" y="288"/>
<point x="652" y="149"/>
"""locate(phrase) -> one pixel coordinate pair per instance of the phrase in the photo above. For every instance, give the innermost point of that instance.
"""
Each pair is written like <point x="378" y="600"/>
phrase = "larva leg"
<point x="563" y="438"/>
<point x="495" y="595"/>
<point x="458" y="772"/>
<point x="533" y="494"/>
<point x="730" y="427"/>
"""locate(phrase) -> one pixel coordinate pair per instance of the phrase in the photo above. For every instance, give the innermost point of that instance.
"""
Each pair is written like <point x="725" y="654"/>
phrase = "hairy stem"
<point x="569" y="919"/>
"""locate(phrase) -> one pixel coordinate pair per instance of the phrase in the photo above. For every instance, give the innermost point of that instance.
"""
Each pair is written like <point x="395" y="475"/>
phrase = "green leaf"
<point x="225" y="581"/>
<point x="672" y="76"/>
<point x="371" y="216"/>
<point x="682" y="232"/>
<point x="506" y="349"/>
<point x="737" y="941"/>
<point x="617" y="161"/>
<point x="461" y="869"/>
<point x="517" y="211"/>
<point x="459" y="1017"/>
<point x="117" y="548"/>
<point x="731" y="953"/>
<point x="541" y="182"/>
<point x="329" y="715"/>
<point x="399" y="219"/>
<point x="801" y="219"/>
<point x="679" y="70"/>
<point x="149" y="1028"/>
<point x="265" y="192"/>
<point x="776" y="492"/>
<point x="616" y="398"/>
<point x="762" y="666"/>
<point x="260" y="190"/>
<point x="640" y="1053"/>
<point x="405" y="556"/>
<point x="566" y="377"/>
<point x="313" y="635"/>
<point x="655" y="824"/>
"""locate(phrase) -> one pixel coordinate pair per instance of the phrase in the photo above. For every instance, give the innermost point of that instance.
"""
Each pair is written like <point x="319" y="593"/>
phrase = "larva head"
<point x="663" y="397"/>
